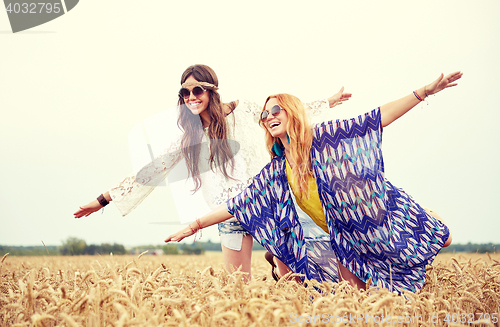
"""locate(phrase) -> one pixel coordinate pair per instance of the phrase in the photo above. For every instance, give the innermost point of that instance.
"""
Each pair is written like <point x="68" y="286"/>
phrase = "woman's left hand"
<point x="443" y="82"/>
<point x="179" y="236"/>
<point x="338" y="98"/>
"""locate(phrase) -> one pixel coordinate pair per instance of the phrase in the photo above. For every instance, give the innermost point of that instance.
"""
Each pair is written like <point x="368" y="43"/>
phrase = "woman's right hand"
<point x="88" y="209"/>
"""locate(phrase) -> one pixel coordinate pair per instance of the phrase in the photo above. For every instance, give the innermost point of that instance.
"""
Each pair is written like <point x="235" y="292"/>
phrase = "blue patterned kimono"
<point x="375" y="229"/>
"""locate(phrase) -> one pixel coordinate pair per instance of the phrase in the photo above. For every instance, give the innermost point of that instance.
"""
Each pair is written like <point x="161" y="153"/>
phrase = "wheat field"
<point x="461" y="289"/>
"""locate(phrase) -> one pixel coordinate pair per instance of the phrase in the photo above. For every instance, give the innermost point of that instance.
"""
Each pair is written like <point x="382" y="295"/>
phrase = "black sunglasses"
<point x="275" y="111"/>
<point x="197" y="91"/>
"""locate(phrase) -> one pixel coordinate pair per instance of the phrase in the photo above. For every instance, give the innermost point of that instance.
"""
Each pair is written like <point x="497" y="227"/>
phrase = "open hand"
<point x="179" y="236"/>
<point x="88" y="209"/>
<point x="443" y="82"/>
<point x="338" y="98"/>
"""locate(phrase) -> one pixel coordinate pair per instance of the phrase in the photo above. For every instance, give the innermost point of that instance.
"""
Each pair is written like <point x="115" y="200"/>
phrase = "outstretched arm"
<point x="218" y="215"/>
<point x="315" y="107"/>
<point x="395" y="109"/>
<point x="132" y="190"/>
<point x="318" y="107"/>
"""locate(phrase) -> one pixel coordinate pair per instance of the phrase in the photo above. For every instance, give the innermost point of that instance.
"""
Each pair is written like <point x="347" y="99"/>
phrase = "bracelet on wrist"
<point x="102" y="200"/>
<point x="195" y="231"/>
<point x="417" y="96"/>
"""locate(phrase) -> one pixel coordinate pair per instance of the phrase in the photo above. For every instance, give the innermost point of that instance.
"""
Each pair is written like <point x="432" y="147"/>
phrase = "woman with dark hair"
<point x="221" y="170"/>
<point x="335" y="173"/>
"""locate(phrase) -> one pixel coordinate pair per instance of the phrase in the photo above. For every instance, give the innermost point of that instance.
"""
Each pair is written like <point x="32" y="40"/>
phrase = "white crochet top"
<point x="243" y="128"/>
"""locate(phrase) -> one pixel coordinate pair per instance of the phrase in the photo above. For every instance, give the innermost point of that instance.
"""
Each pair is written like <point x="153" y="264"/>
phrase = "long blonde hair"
<point x="300" y="134"/>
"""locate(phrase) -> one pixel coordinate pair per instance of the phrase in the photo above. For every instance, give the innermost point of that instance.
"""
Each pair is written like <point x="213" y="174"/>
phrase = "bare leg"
<point x="234" y="259"/>
<point x="283" y="269"/>
<point x="345" y="274"/>
<point x="435" y="215"/>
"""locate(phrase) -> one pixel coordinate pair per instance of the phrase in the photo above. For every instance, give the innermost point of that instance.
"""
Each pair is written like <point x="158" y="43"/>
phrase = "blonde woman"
<point x="335" y="173"/>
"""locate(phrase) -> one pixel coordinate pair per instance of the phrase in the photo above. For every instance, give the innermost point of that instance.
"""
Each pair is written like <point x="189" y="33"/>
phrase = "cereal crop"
<point x="461" y="289"/>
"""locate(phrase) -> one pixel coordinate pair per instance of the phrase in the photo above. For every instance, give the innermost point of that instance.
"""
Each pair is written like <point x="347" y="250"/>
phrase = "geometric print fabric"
<point x="376" y="230"/>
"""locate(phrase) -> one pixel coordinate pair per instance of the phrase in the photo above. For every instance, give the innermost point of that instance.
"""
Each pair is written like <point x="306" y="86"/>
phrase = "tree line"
<point x="76" y="246"/>
<point x="70" y="246"/>
<point x="473" y="248"/>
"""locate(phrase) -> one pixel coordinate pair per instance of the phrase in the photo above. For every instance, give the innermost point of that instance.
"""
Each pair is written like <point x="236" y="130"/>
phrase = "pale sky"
<point x="73" y="88"/>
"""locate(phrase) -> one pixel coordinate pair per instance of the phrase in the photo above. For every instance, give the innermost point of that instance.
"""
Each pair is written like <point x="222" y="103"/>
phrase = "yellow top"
<point x="312" y="205"/>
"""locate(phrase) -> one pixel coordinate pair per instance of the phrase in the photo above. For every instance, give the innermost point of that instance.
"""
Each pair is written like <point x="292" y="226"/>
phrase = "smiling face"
<point x="197" y="105"/>
<point x="276" y="125"/>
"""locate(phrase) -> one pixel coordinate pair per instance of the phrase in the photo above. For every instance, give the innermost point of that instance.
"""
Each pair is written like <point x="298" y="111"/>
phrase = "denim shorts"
<point x="231" y="234"/>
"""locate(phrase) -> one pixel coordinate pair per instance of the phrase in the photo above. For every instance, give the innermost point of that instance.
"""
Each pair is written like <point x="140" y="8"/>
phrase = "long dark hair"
<point x="220" y="150"/>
